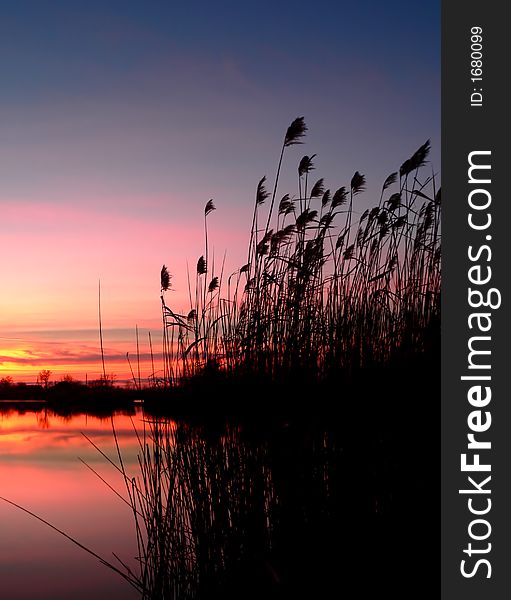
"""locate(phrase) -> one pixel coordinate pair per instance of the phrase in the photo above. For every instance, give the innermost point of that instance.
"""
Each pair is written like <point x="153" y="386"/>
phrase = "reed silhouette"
<point x="201" y="505"/>
<point x="242" y="511"/>
<point x="325" y="289"/>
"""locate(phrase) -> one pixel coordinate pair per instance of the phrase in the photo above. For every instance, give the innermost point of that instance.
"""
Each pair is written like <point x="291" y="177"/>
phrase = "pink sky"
<point x="56" y="255"/>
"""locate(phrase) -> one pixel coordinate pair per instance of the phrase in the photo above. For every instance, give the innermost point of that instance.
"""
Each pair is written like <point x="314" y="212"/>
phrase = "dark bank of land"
<point x="68" y="397"/>
<point x="382" y="390"/>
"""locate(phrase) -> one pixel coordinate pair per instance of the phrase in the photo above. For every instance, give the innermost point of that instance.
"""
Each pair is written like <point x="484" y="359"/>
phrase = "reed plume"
<point x="327" y="288"/>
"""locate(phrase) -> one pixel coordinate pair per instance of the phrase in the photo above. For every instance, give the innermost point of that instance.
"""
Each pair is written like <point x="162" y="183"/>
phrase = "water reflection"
<point x="39" y="469"/>
<point x="207" y="507"/>
<point x="223" y="510"/>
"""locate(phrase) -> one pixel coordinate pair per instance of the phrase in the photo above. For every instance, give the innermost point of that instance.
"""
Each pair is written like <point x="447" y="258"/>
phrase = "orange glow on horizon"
<point x="85" y="371"/>
<point x="80" y="358"/>
<point x="58" y="252"/>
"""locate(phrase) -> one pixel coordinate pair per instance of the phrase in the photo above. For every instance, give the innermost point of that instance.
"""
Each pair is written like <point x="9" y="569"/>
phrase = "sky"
<point x="119" y="120"/>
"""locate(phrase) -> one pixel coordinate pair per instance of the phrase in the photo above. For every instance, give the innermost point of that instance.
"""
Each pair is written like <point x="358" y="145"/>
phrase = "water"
<point x="274" y="510"/>
<point x="240" y="497"/>
<point x="40" y="470"/>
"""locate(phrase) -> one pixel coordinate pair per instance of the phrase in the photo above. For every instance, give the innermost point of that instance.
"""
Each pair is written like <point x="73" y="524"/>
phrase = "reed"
<point x="327" y="288"/>
<point x="198" y="504"/>
<point x="223" y="511"/>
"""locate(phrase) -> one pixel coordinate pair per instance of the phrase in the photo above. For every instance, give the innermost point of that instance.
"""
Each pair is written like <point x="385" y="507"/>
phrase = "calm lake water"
<point x="242" y="495"/>
<point x="40" y="470"/>
<point x="260" y="510"/>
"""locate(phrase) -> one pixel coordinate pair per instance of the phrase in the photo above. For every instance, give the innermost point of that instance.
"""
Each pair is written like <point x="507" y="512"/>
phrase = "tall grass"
<point x="327" y="287"/>
<point x="199" y="503"/>
<point x="225" y="512"/>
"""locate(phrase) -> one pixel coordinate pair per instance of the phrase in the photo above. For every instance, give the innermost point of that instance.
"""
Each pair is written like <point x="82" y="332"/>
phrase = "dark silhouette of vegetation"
<point x="68" y="396"/>
<point x="325" y="290"/>
<point x="44" y="377"/>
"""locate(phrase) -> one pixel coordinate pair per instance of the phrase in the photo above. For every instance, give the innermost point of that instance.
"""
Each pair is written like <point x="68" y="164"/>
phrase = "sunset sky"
<point x="121" y="119"/>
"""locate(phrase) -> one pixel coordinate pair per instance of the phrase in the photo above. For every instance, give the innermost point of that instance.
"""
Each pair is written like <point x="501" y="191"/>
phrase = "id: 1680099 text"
<point x="476" y="66"/>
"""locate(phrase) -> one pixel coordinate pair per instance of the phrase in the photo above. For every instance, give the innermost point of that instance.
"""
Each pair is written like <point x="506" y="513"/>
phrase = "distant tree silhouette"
<point x="107" y="380"/>
<point x="44" y="377"/>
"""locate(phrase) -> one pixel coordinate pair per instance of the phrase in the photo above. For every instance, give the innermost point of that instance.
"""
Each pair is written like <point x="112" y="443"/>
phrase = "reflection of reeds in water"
<point x="221" y="512"/>
<point x="200" y="505"/>
<point x="327" y="287"/>
<point x="237" y="512"/>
